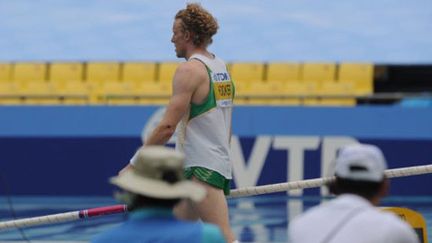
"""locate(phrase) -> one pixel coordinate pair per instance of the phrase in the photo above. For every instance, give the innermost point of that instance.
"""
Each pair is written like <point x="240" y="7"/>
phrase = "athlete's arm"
<point x="188" y="78"/>
<point x="187" y="85"/>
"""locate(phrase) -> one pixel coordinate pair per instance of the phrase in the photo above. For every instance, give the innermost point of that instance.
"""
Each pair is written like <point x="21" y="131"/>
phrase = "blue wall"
<point x="74" y="150"/>
<point x="128" y="121"/>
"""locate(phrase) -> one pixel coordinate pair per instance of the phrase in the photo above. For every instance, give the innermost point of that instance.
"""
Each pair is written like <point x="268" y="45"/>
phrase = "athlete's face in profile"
<point x="179" y="38"/>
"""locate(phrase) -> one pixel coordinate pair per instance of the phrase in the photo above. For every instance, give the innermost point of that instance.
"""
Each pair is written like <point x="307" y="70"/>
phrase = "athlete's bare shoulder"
<point x="198" y="67"/>
<point x="193" y="71"/>
<point x="194" y="67"/>
<point x="189" y="77"/>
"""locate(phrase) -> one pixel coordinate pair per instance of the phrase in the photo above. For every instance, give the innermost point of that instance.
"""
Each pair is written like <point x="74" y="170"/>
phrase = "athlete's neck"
<point x="201" y="51"/>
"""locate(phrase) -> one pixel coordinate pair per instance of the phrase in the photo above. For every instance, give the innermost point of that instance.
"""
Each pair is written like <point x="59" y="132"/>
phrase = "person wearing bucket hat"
<point x="151" y="190"/>
<point x="352" y="216"/>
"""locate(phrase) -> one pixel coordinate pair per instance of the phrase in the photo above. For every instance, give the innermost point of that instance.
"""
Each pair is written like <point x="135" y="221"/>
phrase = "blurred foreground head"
<point x="157" y="177"/>
<point x="359" y="169"/>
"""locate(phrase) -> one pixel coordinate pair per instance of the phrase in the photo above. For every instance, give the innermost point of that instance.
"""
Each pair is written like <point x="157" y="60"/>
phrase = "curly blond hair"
<point x="199" y="22"/>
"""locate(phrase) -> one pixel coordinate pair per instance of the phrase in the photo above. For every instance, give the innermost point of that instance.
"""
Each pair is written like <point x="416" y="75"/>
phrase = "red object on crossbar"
<point x="88" y="213"/>
<point x="63" y="217"/>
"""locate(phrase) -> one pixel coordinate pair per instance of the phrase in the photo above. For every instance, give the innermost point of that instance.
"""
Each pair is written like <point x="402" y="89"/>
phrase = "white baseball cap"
<point x="361" y="162"/>
<point x="148" y="175"/>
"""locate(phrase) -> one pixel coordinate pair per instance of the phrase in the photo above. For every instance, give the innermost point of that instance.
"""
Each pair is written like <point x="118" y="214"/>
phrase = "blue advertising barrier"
<point x="73" y="150"/>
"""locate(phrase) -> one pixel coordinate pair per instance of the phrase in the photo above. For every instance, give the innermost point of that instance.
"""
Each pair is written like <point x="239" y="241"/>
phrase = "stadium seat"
<point x="334" y="89"/>
<point x="359" y="73"/>
<point x="298" y="93"/>
<point x="5" y="72"/>
<point x="112" y="92"/>
<point x="247" y="73"/>
<point x="9" y="93"/>
<point x="266" y="93"/>
<point x="286" y="72"/>
<point x="37" y="93"/>
<point x="240" y="92"/>
<point x="155" y="93"/>
<point x="318" y="72"/>
<point x="166" y="71"/>
<point x="68" y="82"/>
<point x="65" y="72"/>
<point x="98" y="72"/>
<point x="128" y="93"/>
<point x="75" y="92"/>
<point x="139" y="72"/>
<point x="29" y="72"/>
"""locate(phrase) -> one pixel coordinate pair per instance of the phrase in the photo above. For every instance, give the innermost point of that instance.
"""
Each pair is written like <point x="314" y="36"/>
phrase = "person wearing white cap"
<point x="352" y="216"/>
<point x="151" y="190"/>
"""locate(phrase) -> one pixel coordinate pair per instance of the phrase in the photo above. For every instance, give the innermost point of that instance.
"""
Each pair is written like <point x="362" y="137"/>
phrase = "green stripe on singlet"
<point x="208" y="104"/>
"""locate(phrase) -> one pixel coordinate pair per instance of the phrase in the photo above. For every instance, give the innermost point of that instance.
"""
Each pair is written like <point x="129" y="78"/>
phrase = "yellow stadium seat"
<point x="134" y="93"/>
<point x="240" y="101"/>
<point x="247" y="72"/>
<point x="265" y="87"/>
<point x="5" y="72"/>
<point x="335" y="89"/>
<point x="139" y="72"/>
<point x="118" y="93"/>
<point x="262" y="101"/>
<point x="29" y="72"/>
<point x="240" y="92"/>
<point x="286" y="72"/>
<point x="318" y="72"/>
<point x="156" y="88"/>
<point x="155" y="92"/>
<point x="99" y="72"/>
<point x="359" y="73"/>
<point x="240" y="88"/>
<point x="36" y="93"/>
<point x="298" y="93"/>
<point x="166" y="71"/>
<point x="9" y="93"/>
<point x="264" y="93"/>
<point x="74" y="92"/>
<point x="66" y="72"/>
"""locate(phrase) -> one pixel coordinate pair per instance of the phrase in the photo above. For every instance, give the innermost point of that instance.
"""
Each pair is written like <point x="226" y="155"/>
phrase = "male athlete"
<point x="201" y="105"/>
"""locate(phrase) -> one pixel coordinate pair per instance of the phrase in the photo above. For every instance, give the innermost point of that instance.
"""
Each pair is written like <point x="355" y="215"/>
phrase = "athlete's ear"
<point x="187" y="35"/>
